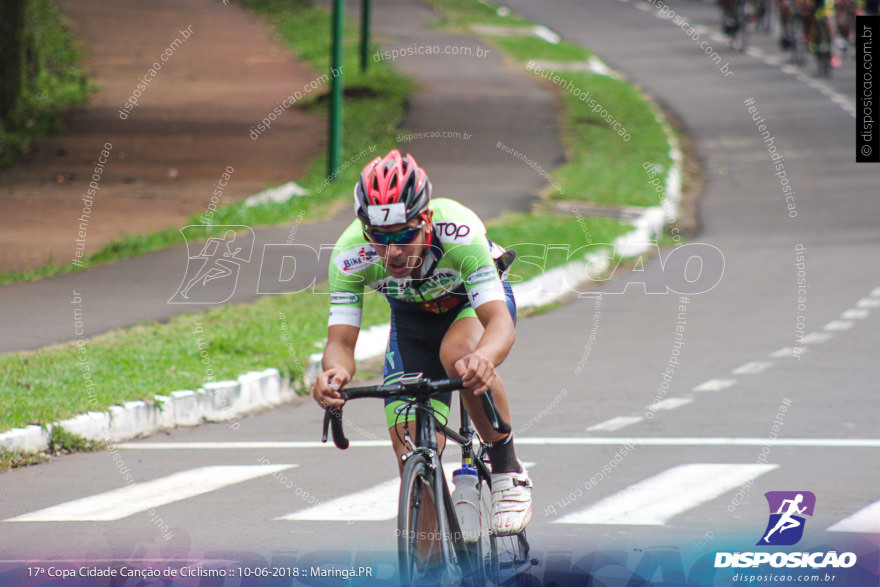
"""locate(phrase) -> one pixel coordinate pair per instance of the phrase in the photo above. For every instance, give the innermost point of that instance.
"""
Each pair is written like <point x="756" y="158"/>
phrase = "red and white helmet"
<point x="391" y="190"/>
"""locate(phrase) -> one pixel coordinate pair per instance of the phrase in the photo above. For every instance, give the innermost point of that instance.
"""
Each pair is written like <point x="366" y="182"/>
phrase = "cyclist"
<point x="824" y="17"/>
<point x="452" y="312"/>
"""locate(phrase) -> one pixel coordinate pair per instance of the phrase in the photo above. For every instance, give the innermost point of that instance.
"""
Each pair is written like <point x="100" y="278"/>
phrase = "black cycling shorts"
<point x="414" y="347"/>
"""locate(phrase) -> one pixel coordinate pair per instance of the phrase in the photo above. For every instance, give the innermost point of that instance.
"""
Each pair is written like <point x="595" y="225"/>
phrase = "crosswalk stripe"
<point x="140" y="497"/>
<point x="864" y="521"/>
<point x="374" y="504"/>
<point x="655" y="500"/>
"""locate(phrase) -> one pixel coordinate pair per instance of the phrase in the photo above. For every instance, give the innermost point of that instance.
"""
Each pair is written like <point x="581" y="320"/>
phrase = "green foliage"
<point x="543" y="242"/>
<point x="529" y="47"/>
<point x="16" y="459"/>
<point x="62" y="441"/>
<point x="51" y="83"/>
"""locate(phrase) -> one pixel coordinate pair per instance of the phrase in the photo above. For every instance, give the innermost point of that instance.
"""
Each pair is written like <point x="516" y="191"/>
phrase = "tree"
<point x="12" y="50"/>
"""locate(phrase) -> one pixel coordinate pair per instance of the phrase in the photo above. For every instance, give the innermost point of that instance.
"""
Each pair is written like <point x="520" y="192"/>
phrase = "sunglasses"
<point x="402" y="237"/>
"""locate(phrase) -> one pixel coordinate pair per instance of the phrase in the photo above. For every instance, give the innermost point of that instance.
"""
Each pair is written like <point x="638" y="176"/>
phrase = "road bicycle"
<point x="794" y="29"/>
<point x="735" y="22"/>
<point x="820" y="45"/>
<point x="432" y="546"/>
<point x="763" y="15"/>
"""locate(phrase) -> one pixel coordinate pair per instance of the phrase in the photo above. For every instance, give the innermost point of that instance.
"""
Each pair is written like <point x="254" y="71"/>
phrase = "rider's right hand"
<point x="327" y="386"/>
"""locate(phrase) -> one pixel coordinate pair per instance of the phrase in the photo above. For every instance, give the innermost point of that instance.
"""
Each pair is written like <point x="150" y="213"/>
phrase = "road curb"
<point x="221" y="401"/>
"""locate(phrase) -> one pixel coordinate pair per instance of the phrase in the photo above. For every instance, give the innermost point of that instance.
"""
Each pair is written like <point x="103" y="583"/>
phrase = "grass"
<point x="572" y="238"/>
<point x="463" y="13"/>
<point x="53" y="83"/>
<point x="601" y="165"/>
<point x="606" y="168"/>
<point x="18" y="459"/>
<point x="374" y="107"/>
<point x="527" y="48"/>
<point x="137" y="363"/>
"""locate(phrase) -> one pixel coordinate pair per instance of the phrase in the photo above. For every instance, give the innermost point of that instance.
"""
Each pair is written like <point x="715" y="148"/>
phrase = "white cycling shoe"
<point x="511" y="502"/>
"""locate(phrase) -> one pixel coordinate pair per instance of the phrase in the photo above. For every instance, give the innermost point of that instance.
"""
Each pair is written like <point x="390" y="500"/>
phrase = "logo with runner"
<point x="213" y="263"/>
<point x="786" y="524"/>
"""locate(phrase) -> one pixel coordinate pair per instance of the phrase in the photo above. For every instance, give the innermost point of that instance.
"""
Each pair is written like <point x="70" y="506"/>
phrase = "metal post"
<point x="365" y="33"/>
<point x="335" y="130"/>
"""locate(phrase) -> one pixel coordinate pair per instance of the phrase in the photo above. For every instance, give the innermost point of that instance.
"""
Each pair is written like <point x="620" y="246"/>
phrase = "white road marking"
<point x="530" y="441"/>
<point x="875" y="293"/>
<point x="376" y="503"/>
<point x="838" y="325"/>
<point x="856" y="314"/>
<point x="139" y="497"/>
<point x="787" y="352"/>
<point x="868" y="303"/>
<point x="715" y="385"/>
<point x="671" y="403"/>
<point x="816" y="338"/>
<point x="753" y="368"/>
<point x="864" y="521"/>
<point x="653" y="501"/>
<point x="702" y="441"/>
<point x="258" y="444"/>
<point x="546" y="34"/>
<point x="615" y="424"/>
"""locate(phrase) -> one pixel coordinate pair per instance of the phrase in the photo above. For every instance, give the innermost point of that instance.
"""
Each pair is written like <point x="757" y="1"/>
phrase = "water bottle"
<point x="466" y="498"/>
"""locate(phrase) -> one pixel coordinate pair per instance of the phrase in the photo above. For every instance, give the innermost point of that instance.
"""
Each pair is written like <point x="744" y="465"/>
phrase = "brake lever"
<point x="498" y="423"/>
<point x="326" y="425"/>
<point x="333" y="417"/>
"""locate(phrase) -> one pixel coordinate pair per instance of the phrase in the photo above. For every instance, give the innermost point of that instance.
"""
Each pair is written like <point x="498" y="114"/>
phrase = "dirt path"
<point x="220" y="74"/>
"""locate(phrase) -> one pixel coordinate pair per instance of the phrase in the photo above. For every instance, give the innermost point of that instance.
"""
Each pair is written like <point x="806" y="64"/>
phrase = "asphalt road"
<point x="615" y="480"/>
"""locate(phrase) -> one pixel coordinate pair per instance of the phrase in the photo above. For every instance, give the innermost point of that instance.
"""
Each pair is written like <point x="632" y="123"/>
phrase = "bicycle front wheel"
<point x="506" y="559"/>
<point x="425" y="549"/>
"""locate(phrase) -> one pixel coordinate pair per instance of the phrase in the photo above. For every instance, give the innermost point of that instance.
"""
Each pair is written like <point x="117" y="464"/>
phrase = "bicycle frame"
<point x="417" y="391"/>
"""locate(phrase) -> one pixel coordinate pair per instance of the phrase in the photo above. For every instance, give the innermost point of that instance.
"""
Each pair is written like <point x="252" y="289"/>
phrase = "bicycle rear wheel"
<point x="426" y="551"/>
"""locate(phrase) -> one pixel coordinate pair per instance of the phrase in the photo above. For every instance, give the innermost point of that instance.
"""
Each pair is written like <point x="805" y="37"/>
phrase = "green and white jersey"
<point x="461" y="255"/>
